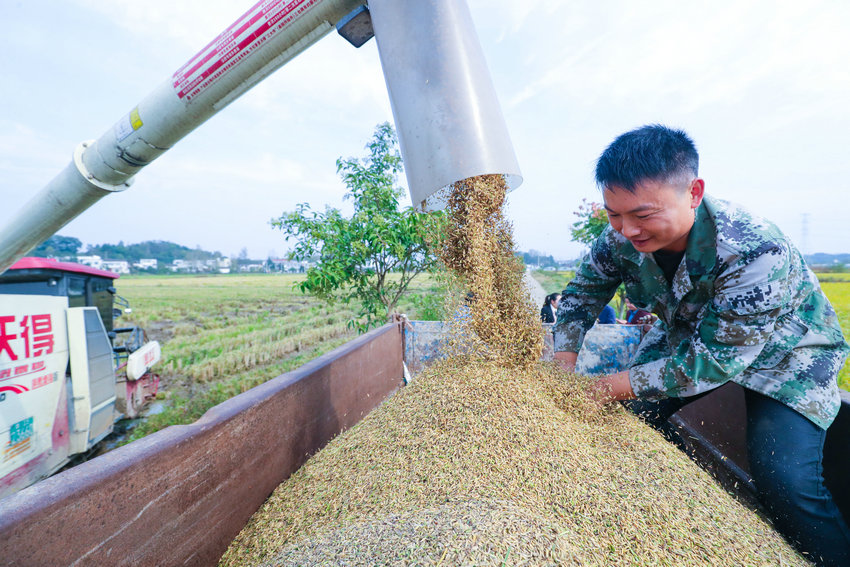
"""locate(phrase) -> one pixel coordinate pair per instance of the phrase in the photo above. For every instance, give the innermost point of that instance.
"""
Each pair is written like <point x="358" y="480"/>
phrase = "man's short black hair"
<point x="649" y="153"/>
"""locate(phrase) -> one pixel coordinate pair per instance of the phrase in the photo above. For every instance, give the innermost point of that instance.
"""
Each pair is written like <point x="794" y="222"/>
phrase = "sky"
<point x="762" y="87"/>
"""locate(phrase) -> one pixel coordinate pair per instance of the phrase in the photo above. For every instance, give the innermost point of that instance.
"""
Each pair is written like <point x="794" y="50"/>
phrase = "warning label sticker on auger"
<point x="234" y="44"/>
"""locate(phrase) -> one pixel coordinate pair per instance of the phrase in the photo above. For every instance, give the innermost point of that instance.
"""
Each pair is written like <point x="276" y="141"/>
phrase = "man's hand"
<point x="567" y="360"/>
<point x="611" y="388"/>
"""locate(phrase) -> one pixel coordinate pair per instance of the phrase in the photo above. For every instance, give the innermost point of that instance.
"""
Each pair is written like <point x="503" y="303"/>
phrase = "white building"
<point x="146" y="264"/>
<point x="179" y="265"/>
<point x="92" y="261"/>
<point x="252" y="268"/>
<point x="117" y="266"/>
<point x="222" y="265"/>
<point x="289" y="266"/>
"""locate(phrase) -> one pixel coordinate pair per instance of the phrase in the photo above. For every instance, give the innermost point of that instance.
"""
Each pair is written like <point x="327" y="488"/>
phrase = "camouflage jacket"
<point x="743" y="306"/>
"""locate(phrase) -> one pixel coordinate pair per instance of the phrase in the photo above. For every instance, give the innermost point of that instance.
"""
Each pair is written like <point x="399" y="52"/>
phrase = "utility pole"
<point x="805" y="236"/>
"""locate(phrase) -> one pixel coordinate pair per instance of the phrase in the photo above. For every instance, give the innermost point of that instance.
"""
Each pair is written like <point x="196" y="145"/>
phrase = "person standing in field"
<point x="550" y="307"/>
<point x="735" y="302"/>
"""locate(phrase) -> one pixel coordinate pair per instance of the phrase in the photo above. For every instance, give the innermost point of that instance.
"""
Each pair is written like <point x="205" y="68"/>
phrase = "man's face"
<point x="657" y="216"/>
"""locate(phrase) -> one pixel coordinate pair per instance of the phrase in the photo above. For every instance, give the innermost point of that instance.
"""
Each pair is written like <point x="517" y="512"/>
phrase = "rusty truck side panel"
<point x="179" y="496"/>
<point x="713" y="429"/>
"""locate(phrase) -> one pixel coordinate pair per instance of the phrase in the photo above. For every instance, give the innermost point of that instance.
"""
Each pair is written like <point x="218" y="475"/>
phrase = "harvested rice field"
<point x="224" y="334"/>
<point x="478" y="464"/>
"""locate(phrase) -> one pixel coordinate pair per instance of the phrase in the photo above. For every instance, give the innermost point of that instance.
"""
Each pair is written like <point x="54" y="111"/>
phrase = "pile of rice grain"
<point x="479" y="464"/>
<point x="494" y="458"/>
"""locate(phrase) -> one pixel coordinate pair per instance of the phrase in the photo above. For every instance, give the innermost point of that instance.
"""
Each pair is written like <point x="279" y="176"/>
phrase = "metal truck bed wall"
<point x="179" y="496"/>
<point x="714" y="428"/>
<point x="423" y="343"/>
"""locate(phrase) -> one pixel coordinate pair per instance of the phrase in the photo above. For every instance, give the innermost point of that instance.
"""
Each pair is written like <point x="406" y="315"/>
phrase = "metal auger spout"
<point x="449" y="121"/>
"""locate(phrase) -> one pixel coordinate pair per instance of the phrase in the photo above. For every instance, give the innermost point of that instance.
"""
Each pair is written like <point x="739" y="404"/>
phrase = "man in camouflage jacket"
<point x="735" y="302"/>
<point x="743" y="306"/>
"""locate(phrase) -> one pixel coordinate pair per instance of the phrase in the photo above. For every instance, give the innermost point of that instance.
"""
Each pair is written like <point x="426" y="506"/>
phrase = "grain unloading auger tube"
<point x="448" y="118"/>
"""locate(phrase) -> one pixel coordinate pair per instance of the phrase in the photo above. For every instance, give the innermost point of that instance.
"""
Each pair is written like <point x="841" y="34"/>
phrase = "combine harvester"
<point x="67" y="374"/>
<point x="179" y="496"/>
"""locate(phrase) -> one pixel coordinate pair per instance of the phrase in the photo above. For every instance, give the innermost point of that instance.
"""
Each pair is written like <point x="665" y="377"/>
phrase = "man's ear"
<point x="697" y="191"/>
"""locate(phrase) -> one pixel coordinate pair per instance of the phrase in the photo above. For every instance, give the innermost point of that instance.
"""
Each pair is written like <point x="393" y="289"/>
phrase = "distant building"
<point x="92" y="261"/>
<point x="288" y="266"/>
<point x="117" y="266"/>
<point x="220" y="265"/>
<point x="146" y="264"/>
<point x="180" y="265"/>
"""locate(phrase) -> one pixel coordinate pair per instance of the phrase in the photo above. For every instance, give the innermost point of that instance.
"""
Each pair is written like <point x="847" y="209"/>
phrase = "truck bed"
<point x="179" y="496"/>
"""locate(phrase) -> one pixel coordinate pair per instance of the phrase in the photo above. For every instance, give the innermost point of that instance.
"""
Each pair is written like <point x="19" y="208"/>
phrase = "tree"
<point x="58" y="246"/>
<point x="357" y="255"/>
<point x="593" y="218"/>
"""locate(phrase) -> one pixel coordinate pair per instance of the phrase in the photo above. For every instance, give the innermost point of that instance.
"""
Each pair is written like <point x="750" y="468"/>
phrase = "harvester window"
<point x="76" y="292"/>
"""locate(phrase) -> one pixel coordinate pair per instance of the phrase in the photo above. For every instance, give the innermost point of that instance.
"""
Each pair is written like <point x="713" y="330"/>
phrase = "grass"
<point x="838" y="293"/>
<point x="224" y="334"/>
<point x="836" y="286"/>
<point x="553" y="281"/>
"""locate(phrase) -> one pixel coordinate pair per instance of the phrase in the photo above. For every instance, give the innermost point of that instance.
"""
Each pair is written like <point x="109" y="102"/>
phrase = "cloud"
<point x="187" y="23"/>
<point x="761" y="86"/>
<point x="692" y="55"/>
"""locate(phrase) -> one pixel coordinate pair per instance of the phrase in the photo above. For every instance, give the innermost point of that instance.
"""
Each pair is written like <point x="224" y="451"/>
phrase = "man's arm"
<point x="611" y="388"/>
<point x="567" y="360"/>
<point x="593" y="286"/>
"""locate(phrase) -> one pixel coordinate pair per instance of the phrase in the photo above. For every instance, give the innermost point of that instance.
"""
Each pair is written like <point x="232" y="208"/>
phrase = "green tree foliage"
<point x="165" y="252"/>
<point x="593" y="218"/>
<point x="57" y="246"/>
<point x="371" y="257"/>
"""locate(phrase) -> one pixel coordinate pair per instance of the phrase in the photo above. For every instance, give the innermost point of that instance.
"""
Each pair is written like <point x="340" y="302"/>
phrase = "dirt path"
<point x="538" y="294"/>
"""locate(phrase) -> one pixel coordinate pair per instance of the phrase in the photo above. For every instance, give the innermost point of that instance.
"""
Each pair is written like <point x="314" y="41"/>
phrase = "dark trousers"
<point x="786" y="456"/>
